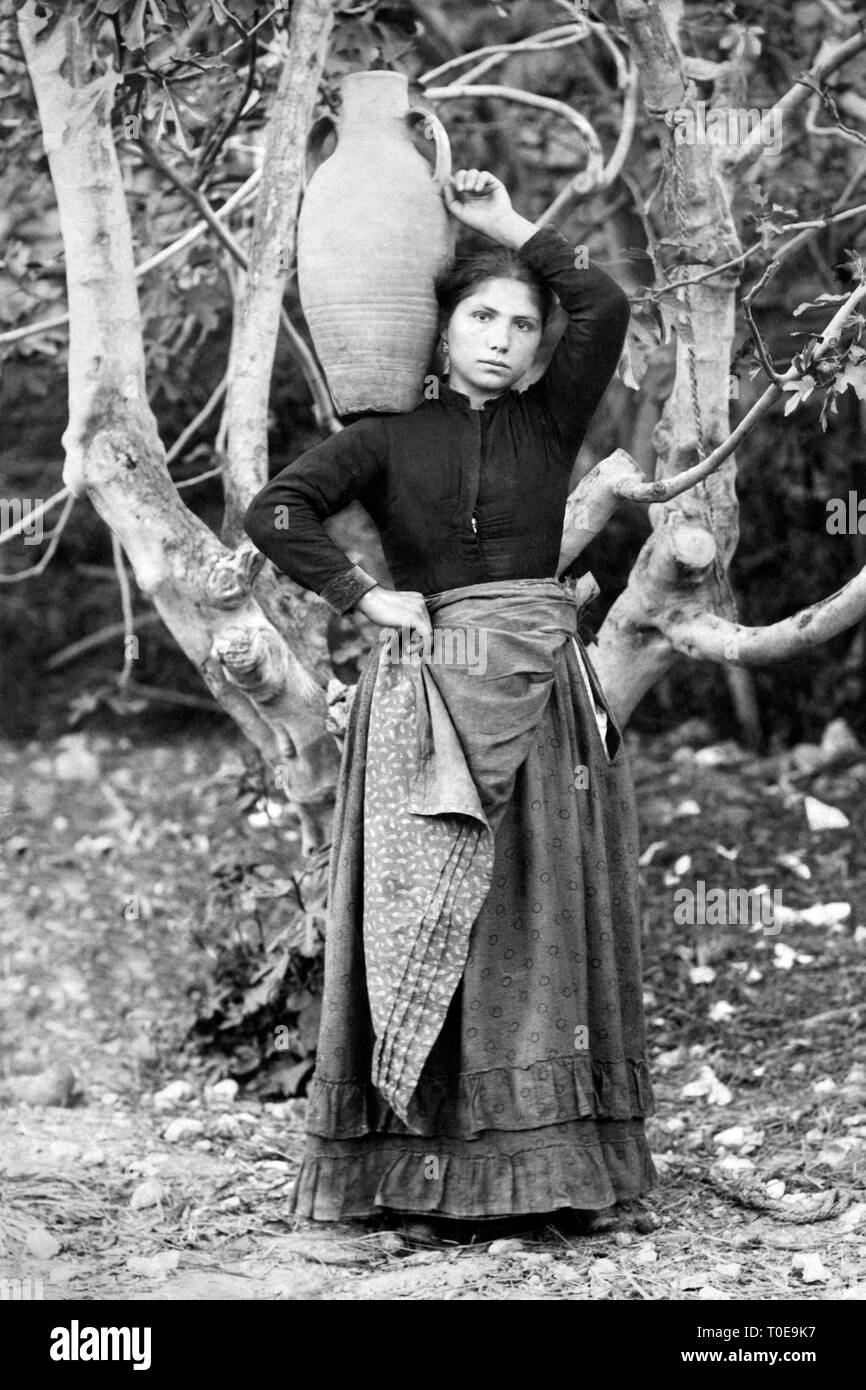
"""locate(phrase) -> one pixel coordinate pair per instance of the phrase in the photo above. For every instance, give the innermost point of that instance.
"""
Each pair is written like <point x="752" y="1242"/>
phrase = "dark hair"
<point x="472" y="268"/>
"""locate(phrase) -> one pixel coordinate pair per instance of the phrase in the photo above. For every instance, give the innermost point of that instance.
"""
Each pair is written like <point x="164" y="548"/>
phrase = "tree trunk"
<point x="200" y="588"/>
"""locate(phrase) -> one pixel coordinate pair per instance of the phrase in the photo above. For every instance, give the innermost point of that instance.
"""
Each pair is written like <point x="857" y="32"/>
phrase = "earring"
<point x="446" y="357"/>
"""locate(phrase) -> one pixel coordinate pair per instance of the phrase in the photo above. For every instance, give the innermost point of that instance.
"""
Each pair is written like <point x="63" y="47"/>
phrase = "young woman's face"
<point x="493" y="336"/>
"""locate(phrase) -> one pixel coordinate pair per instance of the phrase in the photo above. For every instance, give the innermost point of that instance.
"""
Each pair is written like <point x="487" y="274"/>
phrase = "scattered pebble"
<point x="499" y="1248"/>
<point x="182" y="1129"/>
<point x="154" y="1266"/>
<point x="733" y="1165"/>
<point x="645" y="1223"/>
<point x="171" y="1095"/>
<point x="811" y="1267"/>
<point x="391" y="1243"/>
<point x="226" y="1090"/>
<point x="41" y="1243"/>
<point x="746" y="1138"/>
<point x="823" y="817"/>
<point x="148" y="1194"/>
<point x="647" y="1255"/>
<point x="54" y="1086"/>
<point x="707" y="1086"/>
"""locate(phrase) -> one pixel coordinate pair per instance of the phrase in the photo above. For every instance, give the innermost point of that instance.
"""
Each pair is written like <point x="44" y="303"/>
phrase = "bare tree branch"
<point x="188" y="238"/>
<point x="589" y="177"/>
<point x="53" y="539"/>
<point x="257" y="318"/>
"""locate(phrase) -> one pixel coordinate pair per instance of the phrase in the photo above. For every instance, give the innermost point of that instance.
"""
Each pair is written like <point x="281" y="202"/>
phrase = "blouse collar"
<point x="458" y="400"/>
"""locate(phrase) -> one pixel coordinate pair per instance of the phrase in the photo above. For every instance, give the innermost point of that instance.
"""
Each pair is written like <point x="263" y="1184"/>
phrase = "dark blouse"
<point x="459" y="496"/>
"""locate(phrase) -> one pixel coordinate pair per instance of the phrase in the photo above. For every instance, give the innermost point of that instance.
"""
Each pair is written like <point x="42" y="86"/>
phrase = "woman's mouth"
<point x="499" y="366"/>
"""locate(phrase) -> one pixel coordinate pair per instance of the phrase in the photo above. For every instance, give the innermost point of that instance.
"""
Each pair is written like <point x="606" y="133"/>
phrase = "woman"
<point x="481" y="1053"/>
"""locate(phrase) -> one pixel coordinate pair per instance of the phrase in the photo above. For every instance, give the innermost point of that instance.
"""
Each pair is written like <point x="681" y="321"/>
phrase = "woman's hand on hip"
<point x="480" y="200"/>
<point x="396" y="608"/>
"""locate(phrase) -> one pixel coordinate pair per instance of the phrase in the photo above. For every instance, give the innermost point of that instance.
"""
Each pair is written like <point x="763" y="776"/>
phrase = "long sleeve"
<point x="285" y="519"/>
<point x="586" y="355"/>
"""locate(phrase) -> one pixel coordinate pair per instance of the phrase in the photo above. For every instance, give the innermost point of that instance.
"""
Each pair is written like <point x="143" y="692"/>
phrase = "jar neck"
<point x="374" y="96"/>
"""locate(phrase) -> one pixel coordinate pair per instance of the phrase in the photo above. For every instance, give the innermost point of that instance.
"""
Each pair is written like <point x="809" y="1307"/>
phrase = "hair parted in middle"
<point x="472" y="268"/>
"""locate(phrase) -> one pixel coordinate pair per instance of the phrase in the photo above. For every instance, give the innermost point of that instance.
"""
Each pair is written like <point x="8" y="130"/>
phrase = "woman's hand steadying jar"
<point x="481" y="201"/>
<point x="401" y="608"/>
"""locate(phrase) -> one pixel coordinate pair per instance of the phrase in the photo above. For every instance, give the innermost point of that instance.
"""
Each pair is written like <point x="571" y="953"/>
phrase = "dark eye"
<point x="481" y="314"/>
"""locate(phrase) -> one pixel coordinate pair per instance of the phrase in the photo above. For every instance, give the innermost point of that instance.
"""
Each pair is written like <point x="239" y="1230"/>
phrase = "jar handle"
<point x="313" y="149"/>
<point x="435" y="130"/>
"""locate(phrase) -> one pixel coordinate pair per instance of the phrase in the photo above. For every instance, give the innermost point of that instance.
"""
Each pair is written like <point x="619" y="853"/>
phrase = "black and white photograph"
<point x="433" y="664"/>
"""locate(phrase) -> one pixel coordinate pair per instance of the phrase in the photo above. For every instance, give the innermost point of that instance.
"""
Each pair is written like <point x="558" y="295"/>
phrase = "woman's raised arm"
<point x="586" y="355"/>
<point x="585" y="358"/>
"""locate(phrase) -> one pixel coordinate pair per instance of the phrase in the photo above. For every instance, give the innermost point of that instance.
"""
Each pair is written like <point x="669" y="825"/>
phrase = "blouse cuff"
<point x="535" y="248"/>
<point x="344" y="591"/>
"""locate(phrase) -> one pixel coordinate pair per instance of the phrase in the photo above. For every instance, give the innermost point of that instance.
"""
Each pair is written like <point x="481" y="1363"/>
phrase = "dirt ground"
<point x="156" y="1181"/>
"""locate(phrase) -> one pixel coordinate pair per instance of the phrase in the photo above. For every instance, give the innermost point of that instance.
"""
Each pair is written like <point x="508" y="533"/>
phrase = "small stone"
<point x="501" y="1248"/>
<point x="93" y="1158"/>
<point x="54" y="1086"/>
<point x="604" y="1269"/>
<point x="148" y="1194"/>
<point x="647" y="1255"/>
<point x="811" y="1267"/>
<point x="729" y="1271"/>
<point x="182" y="1129"/>
<point x="743" y="1137"/>
<point x="75" y="762"/>
<point x="853" y="1217"/>
<point x="707" y="1086"/>
<point x="646" y="1222"/>
<point x="623" y="1238"/>
<point x="154" y="1266"/>
<point x="391" y="1243"/>
<point x="688" y="1282"/>
<point x="823" y="817"/>
<point x="775" y="1188"/>
<point x="41" y="1243"/>
<point x="171" y="1095"/>
<point x="226" y="1090"/>
<point x="732" y="1165"/>
<point x="227" y="1126"/>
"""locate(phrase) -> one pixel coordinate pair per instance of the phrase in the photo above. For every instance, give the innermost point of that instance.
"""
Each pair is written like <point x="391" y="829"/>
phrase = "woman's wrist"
<point x="513" y="231"/>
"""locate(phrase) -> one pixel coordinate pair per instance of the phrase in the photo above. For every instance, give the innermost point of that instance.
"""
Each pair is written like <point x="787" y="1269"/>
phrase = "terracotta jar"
<point x="373" y="231"/>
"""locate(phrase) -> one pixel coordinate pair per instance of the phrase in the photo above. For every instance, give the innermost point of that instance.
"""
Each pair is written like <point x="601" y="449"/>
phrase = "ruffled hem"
<point x="585" y="1166"/>
<point x="506" y="1098"/>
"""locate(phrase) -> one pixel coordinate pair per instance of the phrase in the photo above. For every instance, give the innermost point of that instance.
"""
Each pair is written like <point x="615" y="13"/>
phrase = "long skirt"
<point x="533" y="1096"/>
